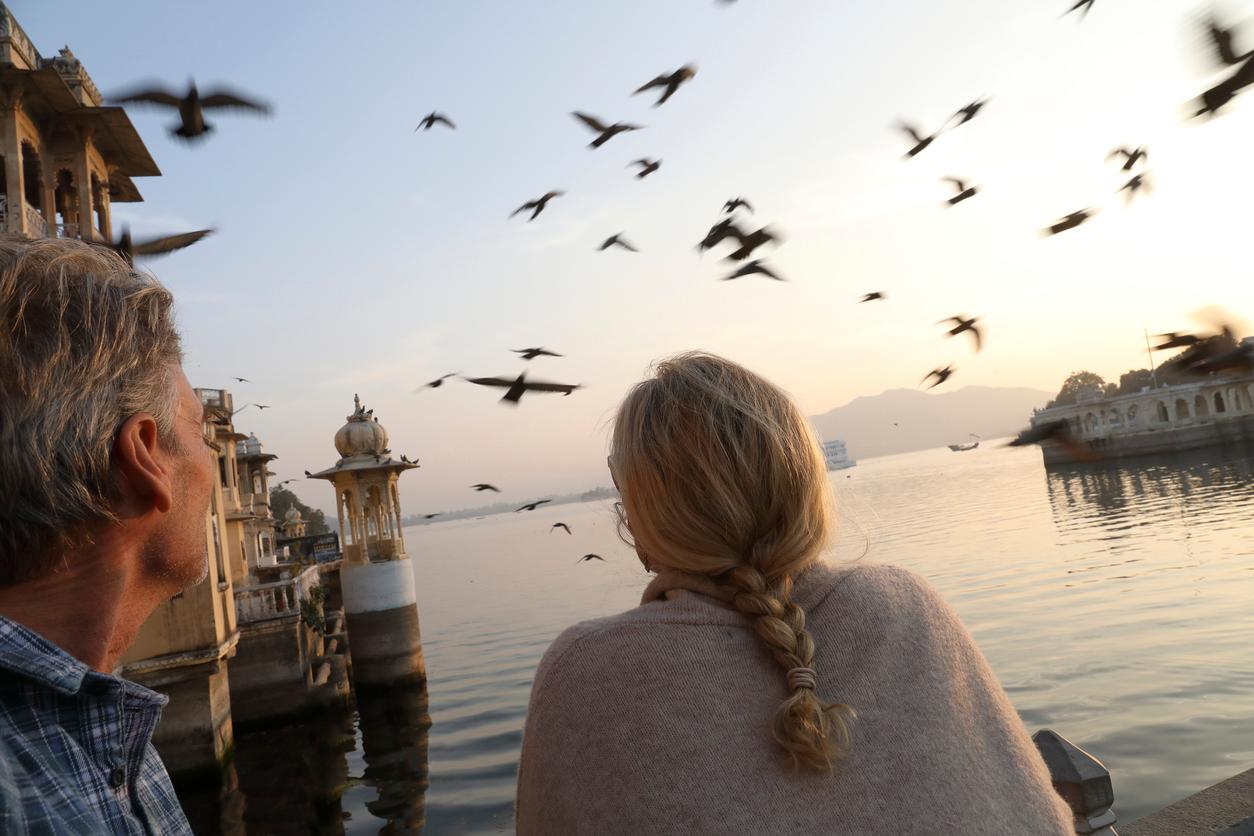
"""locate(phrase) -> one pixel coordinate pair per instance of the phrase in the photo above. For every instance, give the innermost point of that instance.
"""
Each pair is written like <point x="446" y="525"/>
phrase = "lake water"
<point x="1113" y="602"/>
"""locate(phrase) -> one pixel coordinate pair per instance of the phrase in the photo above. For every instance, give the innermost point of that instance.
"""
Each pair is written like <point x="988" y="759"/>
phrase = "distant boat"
<point x="962" y="448"/>
<point x="836" y="456"/>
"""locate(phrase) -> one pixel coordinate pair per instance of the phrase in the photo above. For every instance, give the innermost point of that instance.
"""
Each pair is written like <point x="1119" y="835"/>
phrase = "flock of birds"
<point x="1206" y="353"/>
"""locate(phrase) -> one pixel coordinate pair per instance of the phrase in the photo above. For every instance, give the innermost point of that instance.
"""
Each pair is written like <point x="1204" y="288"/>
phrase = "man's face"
<point x="179" y="549"/>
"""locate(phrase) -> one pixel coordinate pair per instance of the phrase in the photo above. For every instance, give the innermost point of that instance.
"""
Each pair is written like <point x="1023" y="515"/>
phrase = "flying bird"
<point x="587" y="557"/>
<point x="262" y="406"/>
<point x="286" y="482"/>
<point x="1212" y="101"/>
<point x="1070" y="221"/>
<point x="560" y="525"/>
<point x="754" y="267"/>
<point x="604" y="132"/>
<point x="647" y="167"/>
<point x="966" y="114"/>
<point x="871" y="297"/>
<point x="241" y="380"/>
<point x="1131" y="156"/>
<point x="538" y="204"/>
<point x="533" y="353"/>
<point x="736" y="203"/>
<point x="192" y="106"/>
<point x="1086" y="5"/>
<point x="308" y="475"/>
<point x="1135" y="185"/>
<point x="618" y="240"/>
<point x="431" y="516"/>
<point x="962" y="190"/>
<point x="432" y="119"/>
<point x="963" y="325"/>
<point x="920" y="141"/>
<point x="484" y="486"/>
<point x="518" y="386"/>
<point x="438" y="382"/>
<point x="1059" y="432"/>
<point x="941" y="375"/>
<point x="669" y="81"/>
<point x="720" y="232"/>
<point x="531" y="506"/>
<point x="130" y="249"/>
<point x="750" y="242"/>
<point x="1175" y="339"/>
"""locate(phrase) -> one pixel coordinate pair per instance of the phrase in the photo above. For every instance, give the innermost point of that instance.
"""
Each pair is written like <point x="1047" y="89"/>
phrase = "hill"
<point x="925" y="420"/>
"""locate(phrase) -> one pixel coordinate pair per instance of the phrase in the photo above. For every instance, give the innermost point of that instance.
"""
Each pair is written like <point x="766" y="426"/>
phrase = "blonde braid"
<point x="812" y="732"/>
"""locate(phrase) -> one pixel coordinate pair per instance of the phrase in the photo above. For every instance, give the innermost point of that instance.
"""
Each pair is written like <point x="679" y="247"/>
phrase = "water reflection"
<point x="1117" y="496"/>
<point x="395" y="724"/>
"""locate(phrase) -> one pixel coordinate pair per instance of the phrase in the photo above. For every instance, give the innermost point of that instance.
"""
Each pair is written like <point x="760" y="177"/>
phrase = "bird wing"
<point x="979" y="339"/>
<point x="660" y="81"/>
<point x="591" y="121"/>
<point x="168" y="244"/>
<point x="626" y="245"/>
<point x="1124" y="152"/>
<point x="914" y="134"/>
<point x="492" y="381"/>
<point x="552" y="387"/>
<point x="154" y="96"/>
<point x="1222" y="39"/>
<point x="957" y="320"/>
<point x="958" y="184"/>
<point x="224" y="99"/>
<point x="768" y="272"/>
<point x="642" y="162"/>
<point x="442" y="118"/>
<point x="530" y="204"/>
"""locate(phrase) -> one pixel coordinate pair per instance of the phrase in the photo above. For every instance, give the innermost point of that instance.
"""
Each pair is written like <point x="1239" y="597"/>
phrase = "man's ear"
<point x="144" y="481"/>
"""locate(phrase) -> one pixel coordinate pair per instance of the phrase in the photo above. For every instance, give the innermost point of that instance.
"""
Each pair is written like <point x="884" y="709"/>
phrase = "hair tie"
<point x="801" y="678"/>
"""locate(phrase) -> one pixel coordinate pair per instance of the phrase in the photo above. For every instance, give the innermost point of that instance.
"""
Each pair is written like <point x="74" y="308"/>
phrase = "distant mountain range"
<point x="924" y="420"/>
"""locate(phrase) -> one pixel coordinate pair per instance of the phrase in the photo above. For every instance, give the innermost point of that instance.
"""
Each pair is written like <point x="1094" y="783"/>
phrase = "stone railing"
<point x="280" y="599"/>
<point x="67" y="230"/>
<point x="36" y="226"/>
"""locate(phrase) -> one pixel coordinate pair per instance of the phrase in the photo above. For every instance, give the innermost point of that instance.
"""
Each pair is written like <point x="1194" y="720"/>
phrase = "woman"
<point x="756" y="689"/>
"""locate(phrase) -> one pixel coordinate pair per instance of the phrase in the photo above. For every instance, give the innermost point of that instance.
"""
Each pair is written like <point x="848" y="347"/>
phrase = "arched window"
<point x="1162" y="413"/>
<point x="1220" y="406"/>
<point x="1132" y="413"/>
<point x="1200" y="407"/>
<point x="32" y="174"/>
<point x="256" y="483"/>
<point x="1182" y="409"/>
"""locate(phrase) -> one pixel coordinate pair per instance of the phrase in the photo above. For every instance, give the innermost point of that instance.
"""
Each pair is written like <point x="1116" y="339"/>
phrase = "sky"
<point x="353" y="255"/>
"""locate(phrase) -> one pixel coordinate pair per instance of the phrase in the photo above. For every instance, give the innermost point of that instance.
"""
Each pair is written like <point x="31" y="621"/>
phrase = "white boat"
<point x="836" y="455"/>
<point x="962" y="448"/>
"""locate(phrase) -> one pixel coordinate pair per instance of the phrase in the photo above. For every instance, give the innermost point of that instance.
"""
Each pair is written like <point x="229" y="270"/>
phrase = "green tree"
<point x="1076" y="383"/>
<point x="281" y="499"/>
<point x="1134" y="381"/>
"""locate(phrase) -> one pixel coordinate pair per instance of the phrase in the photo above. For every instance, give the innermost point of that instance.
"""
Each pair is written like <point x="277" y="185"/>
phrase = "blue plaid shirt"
<point x="76" y="753"/>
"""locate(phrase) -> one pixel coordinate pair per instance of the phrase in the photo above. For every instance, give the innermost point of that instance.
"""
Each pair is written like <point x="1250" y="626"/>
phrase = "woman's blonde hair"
<point x="721" y="475"/>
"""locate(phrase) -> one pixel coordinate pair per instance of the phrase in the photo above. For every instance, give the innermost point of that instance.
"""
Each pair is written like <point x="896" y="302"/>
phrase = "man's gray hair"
<point x="85" y="343"/>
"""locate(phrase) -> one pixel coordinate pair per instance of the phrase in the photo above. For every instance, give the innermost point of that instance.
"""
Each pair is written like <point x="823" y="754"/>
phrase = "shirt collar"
<point x="25" y="652"/>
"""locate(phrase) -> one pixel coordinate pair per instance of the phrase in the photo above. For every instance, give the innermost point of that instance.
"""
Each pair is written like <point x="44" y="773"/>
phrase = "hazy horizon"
<point x="356" y="256"/>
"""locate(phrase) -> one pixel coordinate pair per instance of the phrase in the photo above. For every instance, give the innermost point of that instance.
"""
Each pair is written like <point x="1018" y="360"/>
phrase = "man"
<point x="104" y="484"/>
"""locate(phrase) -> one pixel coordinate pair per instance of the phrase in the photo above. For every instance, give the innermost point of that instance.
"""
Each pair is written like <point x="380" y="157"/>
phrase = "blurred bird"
<point x="736" y="203"/>
<point x="538" y="204"/>
<point x="964" y="325"/>
<point x="941" y="375"/>
<point x="670" y="81"/>
<point x="754" y="267"/>
<point x="531" y="506"/>
<point x="241" y="380"/>
<point x="587" y="557"/>
<point x="533" y="353"/>
<point x="1058" y="432"/>
<point x="647" y="167"/>
<point x="438" y="382"/>
<point x="408" y="460"/>
<point x="431" y="119"/>
<point x="286" y="482"/>
<point x="560" y="525"/>
<point x="431" y="516"/>
<point x="1070" y="221"/>
<point x="618" y="240"/>
<point x="1239" y="360"/>
<point x="1131" y="156"/>
<point x="1213" y="100"/>
<point x="871" y="297"/>
<point x="130" y="249"/>
<point x="308" y="475"/>
<point x="1086" y="5"/>
<point x="920" y="141"/>
<point x="969" y="112"/>
<point x="484" y="486"/>
<point x="1175" y="339"/>
<point x="750" y="242"/>
<point x="192" y="106"/>
<point x="1135" y="185"/>
<point x="963" y="191"/>
<point x="720" y="232"/>
<point x="517" y="387"/>
<point x="604" y="132"/>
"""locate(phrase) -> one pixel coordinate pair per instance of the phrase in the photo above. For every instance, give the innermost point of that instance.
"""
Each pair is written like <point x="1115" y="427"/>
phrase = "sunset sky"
<point x="354" y="255"/>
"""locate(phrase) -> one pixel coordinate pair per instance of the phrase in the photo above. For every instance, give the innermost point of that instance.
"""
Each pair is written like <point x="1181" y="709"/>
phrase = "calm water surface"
<point x="1112" y="601"/>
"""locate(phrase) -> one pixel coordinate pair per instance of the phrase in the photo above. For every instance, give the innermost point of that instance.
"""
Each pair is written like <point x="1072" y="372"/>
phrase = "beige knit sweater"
<point x="657" y="721"/>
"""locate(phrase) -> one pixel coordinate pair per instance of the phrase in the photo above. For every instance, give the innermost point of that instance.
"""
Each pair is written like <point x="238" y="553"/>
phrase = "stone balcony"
<point x="277" y="599"/>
